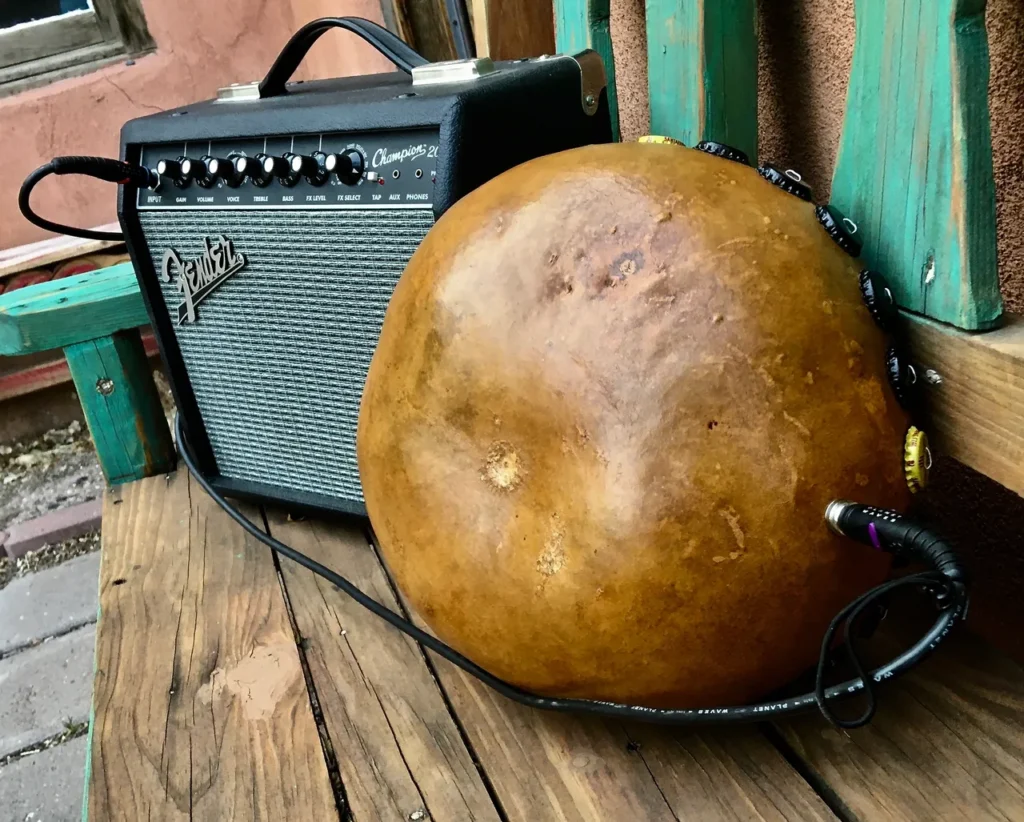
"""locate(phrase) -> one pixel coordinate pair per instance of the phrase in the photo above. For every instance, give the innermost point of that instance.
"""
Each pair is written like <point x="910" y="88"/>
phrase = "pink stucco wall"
<point x="200" y="46"/>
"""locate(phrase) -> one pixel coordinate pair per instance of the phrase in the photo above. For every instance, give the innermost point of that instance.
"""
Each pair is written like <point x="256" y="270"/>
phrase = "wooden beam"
<point x="586" y="24"/>
<point x="914" y="168"/>
<point x="976" y="413"/>
<point x="59" y="313"/>
<point x="702" y="71"/>
<point x="428" y="24"/>
<point x="510" y="29"/>
<point x="122" y="408"/>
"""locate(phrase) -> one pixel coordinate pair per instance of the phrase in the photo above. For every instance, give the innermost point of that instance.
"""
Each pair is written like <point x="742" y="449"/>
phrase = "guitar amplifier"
<point x="284" y="217"/>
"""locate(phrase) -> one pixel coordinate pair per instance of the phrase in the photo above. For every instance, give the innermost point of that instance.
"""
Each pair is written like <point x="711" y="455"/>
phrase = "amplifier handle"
<point x="392" y="47"/>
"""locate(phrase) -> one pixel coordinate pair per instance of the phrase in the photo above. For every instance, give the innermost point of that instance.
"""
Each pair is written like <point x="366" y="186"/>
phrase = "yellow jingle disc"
<point x="917" y="459"/>
<point x="657" y="138"/>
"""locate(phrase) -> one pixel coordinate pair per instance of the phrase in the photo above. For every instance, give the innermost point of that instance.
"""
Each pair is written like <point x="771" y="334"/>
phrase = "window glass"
<point x="13" y="12"/>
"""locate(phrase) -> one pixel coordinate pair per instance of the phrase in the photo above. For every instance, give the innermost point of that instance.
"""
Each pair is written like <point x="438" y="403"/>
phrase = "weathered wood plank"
<point x="61" y="33"/>
<point x="52" y="250"/>
<point x="976" y="414"/>
<point x="914" y="168"/>
<point x="396" y="20"/>
<point x="704" y="774"/>
<point x="702" y="71"/>
<point x="83" y="307"/>
<point x="586" y="24"/>
<point x="510" y="29"/>
<point x="201" y="709"/>
<point x="547" y="766"/>
<point x="947" y="743"/>
<point x="399" y="750"/>
<point x="428" y="24"/>
<point x="114" y="381"/>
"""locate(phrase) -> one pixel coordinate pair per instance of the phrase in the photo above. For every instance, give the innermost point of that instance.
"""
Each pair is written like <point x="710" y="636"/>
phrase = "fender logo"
<point x="198" y="278"/>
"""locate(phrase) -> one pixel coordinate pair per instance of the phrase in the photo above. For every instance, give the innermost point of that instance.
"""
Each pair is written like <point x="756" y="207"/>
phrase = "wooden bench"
<point x="233" y="685"/>
<point x="230" y="685"/>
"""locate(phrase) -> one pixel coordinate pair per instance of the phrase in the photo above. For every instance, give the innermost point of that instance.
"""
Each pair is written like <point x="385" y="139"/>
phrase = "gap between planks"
<point x="534" y="766"/>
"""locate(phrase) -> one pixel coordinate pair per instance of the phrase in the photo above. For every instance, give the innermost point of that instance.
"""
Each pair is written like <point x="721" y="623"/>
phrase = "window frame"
<point x="40" y="51"/>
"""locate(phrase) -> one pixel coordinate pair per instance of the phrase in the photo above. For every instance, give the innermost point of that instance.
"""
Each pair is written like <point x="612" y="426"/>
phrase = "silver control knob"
<point x="221" y="169"/>
<point x="310" y="166"/>
<point x="181" y="171"/>
<point x="281" y="168"/>
<point x="349" y="166"/>
<point x="253" y="168"/>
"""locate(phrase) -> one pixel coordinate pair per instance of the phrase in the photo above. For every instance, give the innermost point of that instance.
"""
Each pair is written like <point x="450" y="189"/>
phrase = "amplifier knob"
<point x="281" y="168"/>
<point x="254" y="169"/>
<point x="180" y="171"/>
<point x="203" y="175"/>
<point x="310" y="166"/>
<point x="349" y="166"/>
<point x="220" y="169"/>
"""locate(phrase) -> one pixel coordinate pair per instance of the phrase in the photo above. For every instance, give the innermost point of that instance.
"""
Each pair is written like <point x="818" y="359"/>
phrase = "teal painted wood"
<point x="914" y="168"/>
<point x="702" y="71"/>
<point x="58" y="313"/>
<point x="121" y="405"/>
<point x="585" y="24"/>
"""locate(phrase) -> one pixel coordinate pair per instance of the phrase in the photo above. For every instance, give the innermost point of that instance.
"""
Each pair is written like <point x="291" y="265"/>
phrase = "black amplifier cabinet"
<point x="269" y="250"/>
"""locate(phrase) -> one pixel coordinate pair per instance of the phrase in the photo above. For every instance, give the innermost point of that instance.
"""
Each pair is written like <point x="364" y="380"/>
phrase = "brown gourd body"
<point x="616" y="388"/>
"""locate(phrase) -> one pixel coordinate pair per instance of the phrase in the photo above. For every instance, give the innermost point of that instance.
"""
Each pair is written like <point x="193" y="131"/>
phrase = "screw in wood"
<point x="105" y="386"/>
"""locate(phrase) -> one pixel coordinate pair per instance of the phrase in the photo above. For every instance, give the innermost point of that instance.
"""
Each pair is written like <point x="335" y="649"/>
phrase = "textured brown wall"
<point x="805" y="55"/>
<point x="200" y="46"/>
<point x="806" y="48"/>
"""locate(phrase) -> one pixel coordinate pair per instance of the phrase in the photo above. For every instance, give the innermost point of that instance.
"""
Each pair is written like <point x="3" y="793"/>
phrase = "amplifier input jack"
<point x="396" y="173"/>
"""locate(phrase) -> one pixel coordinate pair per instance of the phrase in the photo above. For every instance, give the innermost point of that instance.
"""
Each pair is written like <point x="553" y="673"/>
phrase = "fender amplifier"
<point x="284" y="217"/>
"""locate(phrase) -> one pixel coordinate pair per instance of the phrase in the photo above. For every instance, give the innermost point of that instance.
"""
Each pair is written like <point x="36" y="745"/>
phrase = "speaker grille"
<point x="279" y="352"/>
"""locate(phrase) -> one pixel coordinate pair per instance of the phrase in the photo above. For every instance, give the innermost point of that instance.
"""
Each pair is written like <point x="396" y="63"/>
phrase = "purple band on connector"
<point x="873" y="533"/>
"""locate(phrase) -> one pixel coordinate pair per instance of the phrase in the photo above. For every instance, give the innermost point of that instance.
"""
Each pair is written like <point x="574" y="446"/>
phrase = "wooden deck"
<point x="233" y="686"/>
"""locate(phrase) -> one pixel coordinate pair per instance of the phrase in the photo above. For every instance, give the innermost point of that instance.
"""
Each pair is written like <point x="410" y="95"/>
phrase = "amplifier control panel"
<point x="395" y="169"/>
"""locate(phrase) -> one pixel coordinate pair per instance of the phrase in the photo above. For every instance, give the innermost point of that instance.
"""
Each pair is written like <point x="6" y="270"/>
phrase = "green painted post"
<point x="122" y="407"/>
<point x="702" y="71"/>
<point x="914" y="169"/>
<point x="584" y="24"/>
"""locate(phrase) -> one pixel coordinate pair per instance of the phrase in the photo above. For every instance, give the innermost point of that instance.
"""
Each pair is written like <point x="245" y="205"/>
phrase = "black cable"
<point x="846" y="619"/>
<point x="100" y="168"/>
<point x="953" y="595"/>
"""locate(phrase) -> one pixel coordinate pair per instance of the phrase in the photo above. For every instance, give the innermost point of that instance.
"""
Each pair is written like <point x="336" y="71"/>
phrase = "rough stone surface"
<point x="45" y="787"/>
<point x="49" y="602"/>
<point x="44" y="687"/>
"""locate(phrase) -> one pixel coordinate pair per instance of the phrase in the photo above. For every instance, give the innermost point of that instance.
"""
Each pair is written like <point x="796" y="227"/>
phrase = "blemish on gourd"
<point x="503" y="469"/>
<point x="733" y="520"/>
<point x="552" y="558"/>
